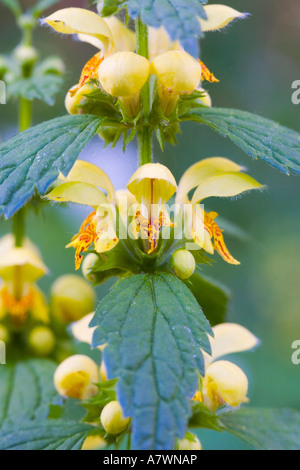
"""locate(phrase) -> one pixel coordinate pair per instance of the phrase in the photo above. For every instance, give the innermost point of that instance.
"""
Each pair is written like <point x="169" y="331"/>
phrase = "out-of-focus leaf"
<point x="155" y="331"/>
<point x="43" y="88"/>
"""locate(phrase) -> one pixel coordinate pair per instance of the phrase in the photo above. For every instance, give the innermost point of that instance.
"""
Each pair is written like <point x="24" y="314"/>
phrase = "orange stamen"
<point x="85" y="237"/>
<point x="152" y="231"/>
<point x="89" y="72"/>
<point x="17" y="308"/>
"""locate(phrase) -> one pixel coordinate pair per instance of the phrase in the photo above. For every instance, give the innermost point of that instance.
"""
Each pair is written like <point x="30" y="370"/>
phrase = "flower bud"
<point x="72" y="298"/>
<point x="4" y="334"/>
<point x="76" y="377"/>
<point x="205" y="98"/>
<point x="191" y="443"/>
<point x="72" y="103"/>
<point x="41" y="340"/>
<point x="94" y="443"/>
<point x="177" y="71"/>
<point x="183" y="264"/>
<point x="87" y="266"/>
<point x="224" y="383"/>
<point x="124" y="74"/>
<point x="26" y="55"/>
<point x="112" y="418"/>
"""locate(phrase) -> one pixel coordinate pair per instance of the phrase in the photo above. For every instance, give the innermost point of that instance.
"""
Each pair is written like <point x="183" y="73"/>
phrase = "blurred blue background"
<point x="257" y="61"/>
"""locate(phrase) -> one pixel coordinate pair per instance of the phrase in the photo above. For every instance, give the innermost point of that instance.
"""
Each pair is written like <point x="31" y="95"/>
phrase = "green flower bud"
<point x="191" y="443"/>
<point x="88" y="265"/>
<point x="41" y="340"/>
<point x="183" y="264"/>
<point x="112" y="418"/>
<point x="76" y="377"/>
<point x="72" y="298"/>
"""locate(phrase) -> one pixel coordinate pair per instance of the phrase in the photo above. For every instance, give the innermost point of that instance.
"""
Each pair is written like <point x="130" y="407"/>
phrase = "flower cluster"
<point x="24" y="310"/>
<point x="142" y="207"/>
<point x="121" y="73"/>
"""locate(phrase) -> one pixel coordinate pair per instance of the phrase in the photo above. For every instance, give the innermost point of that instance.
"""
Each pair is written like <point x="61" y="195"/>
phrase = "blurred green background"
<point x="256" y="61"/>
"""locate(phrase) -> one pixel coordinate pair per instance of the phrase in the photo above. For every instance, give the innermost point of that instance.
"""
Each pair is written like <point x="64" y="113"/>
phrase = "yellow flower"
<point x="20" y="268"/>
<point x="177" y="71"/>
<point x="108" y="35"/>
<point x="72" y="297"/>
<point x="225" y="383"/>
<point x="76" y="377"/>
<point x="84" y="22"/>
<point x="123" y="74"/>
<point x="152" y="185"/>
<point x="82" y="186"/>
<point x="218" y="17"/>
<point x="94" y="442"/>
<point x="112" y="418"/>
<point x="212" y="177"/>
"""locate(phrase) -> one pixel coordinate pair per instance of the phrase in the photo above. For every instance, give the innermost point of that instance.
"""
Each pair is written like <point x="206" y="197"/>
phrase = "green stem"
<point x="19" y="227"/>
<point x="145" y="132"/>
<point x="25" y="113"/>
<point x="145" y="145"/>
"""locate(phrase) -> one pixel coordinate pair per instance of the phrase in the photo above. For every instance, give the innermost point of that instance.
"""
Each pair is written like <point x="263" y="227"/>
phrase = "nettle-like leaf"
<point x="257" y="136"/>
<point x="179" y="17"/>
<point x="41" y="87"/>
<point x="155" y="331"/>
<point x="264" y="429"/>
<point x="33" y="159"/>
<point x="26" y="393"/>
<point x="54" y="434"/>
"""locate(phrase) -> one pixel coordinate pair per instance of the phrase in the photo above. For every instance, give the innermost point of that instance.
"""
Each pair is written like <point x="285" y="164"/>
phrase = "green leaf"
<point x="52" y="434"/>
<point x="13" y="6"/>
<point x="265" y="429"/>
<point x="34" y="158"/>
<point x="43" y="88"/>
<point x="26" y="390"/>
<point x="26" y="393"/>
<point x="155" y="331"/>
<point x="202" y="417"/>
<point x="179" y="17"/>
<point x="255" y="135"/>
<point x="212" y="296"/>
